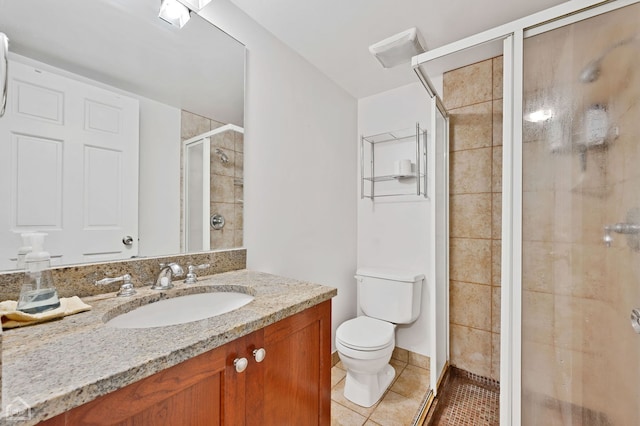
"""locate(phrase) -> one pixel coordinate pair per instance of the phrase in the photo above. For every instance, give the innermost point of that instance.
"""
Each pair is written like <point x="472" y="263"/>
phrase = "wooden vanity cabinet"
<point x="290" y="386"/>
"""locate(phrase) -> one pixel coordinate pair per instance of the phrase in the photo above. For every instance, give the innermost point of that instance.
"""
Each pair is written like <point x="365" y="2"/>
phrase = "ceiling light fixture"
<point x="195" y="5"/>
<point x="398" y="49"/>
<point x="174" y="12"/>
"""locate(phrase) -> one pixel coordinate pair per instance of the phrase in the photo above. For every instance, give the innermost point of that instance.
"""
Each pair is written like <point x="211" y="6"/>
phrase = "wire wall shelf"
<point x="412" y="173"/>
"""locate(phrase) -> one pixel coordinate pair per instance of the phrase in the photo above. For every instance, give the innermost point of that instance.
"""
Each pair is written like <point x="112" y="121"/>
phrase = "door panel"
<point x="68" y="167"/>
<point x="37" y="181"/>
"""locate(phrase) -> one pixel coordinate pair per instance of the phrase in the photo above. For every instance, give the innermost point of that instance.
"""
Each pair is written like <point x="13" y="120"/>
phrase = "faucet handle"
<point x="109" y="280"/>
<point x="126" y="289"/>
<point x="192" y="278"/>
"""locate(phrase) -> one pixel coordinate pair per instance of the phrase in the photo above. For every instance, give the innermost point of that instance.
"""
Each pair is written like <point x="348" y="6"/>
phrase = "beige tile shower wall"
<point x="473" y="97"/>
<point x="191" y="125"/>
<point x="227" y="189"/>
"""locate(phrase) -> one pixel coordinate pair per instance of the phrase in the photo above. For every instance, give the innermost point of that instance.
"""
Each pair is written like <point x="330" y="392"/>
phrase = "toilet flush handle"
<point x="259" y="354"/>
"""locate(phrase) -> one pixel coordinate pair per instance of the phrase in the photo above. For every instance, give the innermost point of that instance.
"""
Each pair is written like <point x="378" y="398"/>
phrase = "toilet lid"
<point x="365" y="333"/>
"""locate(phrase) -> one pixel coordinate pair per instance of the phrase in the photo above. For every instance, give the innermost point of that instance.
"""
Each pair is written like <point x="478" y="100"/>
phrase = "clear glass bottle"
<point x="24" y="250"/>
<point x="38" y="293"/>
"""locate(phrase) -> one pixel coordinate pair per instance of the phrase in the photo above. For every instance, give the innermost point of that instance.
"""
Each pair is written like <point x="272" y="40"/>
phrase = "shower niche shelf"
<point x="381" y="174"/>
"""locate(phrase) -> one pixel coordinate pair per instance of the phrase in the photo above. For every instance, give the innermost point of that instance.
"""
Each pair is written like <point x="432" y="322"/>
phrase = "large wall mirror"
<point x="122" y="136"/>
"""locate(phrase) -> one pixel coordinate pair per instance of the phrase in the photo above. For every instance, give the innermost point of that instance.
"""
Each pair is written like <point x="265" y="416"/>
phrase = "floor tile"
<point x="412" y="383"/>
<point x="395" y="410"/>
<point x="342" y="416"/>
<point x="337" y="375"/>
<point x="399" y="367"/>
<point x="337" y="395"/>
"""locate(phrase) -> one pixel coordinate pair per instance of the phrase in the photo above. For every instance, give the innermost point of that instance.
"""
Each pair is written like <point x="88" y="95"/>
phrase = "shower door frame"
<point x="512" y="36"/>
<point x="206" y="191"/>
<point x="205" y="141"/>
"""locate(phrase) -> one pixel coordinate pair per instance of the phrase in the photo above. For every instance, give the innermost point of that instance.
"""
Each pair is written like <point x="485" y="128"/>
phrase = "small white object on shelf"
<point x="402" y="168"/>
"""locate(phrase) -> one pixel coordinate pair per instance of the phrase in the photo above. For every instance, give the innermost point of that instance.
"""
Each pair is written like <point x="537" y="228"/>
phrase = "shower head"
<point x="591" y="71"/>
<point x="224" y="158"/>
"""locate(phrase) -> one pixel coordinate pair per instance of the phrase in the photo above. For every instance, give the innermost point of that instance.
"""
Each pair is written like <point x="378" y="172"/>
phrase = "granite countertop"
<point x="55" y="366"/>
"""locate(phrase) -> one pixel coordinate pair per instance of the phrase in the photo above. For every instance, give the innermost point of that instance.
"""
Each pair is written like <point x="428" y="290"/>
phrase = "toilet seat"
<point x="365" y="334"/>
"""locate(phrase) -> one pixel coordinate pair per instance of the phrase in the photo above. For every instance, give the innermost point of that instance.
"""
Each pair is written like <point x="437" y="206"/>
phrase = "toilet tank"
<point x="392" y="295"/>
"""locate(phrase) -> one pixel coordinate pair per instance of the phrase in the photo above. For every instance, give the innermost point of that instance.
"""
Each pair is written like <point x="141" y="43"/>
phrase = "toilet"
<point x="386" y="297"/>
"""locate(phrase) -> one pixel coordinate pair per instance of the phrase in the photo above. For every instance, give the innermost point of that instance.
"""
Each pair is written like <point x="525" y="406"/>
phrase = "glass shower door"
<point x="196" y="195"/>
<point x="581" y="222"/>
<point x="439" y="190"/>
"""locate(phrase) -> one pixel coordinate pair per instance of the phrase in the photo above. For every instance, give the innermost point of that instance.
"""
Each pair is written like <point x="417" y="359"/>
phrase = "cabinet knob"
<point x="259" y="354"/>
<point x="240" y="364"/>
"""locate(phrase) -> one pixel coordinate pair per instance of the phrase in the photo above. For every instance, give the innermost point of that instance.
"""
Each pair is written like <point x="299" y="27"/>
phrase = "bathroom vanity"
<point x="265" y="363"/>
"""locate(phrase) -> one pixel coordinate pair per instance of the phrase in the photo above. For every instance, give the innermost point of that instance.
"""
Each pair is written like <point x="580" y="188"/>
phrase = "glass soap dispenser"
<point x="38" y="293"/>
<point x="23" y="250"/>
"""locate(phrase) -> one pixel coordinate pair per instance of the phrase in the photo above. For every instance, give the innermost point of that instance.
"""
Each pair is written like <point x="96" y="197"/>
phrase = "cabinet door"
<point x="242" y="404"/>
<point x="291" y="386"/>
<point x="190" y="393"/>
<point x="297" y="369"/>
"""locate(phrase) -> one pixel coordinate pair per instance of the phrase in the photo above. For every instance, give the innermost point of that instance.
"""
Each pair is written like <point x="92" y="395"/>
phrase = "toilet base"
<point x="367" y="389"/>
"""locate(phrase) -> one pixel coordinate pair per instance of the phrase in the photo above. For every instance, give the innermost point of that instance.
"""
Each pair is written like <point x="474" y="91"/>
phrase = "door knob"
<point x="240" y="364"/>
<point x="259" y="354"/>
<point x="127" y="240"/>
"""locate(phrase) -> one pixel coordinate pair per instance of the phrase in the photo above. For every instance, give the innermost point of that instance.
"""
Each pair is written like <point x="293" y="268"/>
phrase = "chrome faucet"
<point x="167" y="272"/>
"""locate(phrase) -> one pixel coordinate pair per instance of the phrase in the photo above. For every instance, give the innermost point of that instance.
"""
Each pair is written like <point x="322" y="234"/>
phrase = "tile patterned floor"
<point x="467" y="399"/>
<point x="398" y="406"/>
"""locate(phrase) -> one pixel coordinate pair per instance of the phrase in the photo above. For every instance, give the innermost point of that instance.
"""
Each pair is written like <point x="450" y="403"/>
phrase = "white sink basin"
<point x="180" y="310"/>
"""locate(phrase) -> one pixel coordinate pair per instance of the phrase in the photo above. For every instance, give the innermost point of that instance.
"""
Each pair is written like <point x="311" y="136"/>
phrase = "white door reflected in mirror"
<point x="186" y="82"/>
<point x="68" y="165"/>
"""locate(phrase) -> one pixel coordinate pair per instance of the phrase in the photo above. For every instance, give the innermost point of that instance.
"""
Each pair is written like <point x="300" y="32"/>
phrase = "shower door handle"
<point x="635" y="320"/>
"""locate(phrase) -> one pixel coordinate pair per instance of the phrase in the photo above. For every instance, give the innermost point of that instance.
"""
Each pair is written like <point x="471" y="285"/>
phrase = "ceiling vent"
<point x="398" y="49"/>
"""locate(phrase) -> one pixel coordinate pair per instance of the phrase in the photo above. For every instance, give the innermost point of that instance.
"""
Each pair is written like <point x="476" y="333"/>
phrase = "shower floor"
<point x="466" y="399"/>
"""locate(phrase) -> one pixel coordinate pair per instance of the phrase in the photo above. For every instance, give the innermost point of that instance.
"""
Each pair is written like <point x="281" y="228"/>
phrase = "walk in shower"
<point x="212" y="192"/>
<point x="570" y="294"/>
<point x="580" y="222"/>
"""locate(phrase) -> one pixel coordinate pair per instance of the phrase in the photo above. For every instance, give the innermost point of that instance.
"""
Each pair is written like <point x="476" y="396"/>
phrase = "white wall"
<point x="159" y="180"/>
<point x="300" y="164"/>
<point x="394" y="231"/>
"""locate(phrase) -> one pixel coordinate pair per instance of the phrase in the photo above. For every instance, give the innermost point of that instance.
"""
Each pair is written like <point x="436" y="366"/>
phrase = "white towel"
<point x="11" y="317"/>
